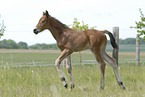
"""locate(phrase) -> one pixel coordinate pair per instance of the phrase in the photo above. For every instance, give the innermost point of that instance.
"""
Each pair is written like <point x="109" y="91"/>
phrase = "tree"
<point x="8" y="44"/>
<point x="23" y="45"/>
<point x="76" y="25"/>
<point x="140" y="25"/>
<point x="2" y="28"/>
<point x="12" y="44"/>
<point x="43" y="46"/>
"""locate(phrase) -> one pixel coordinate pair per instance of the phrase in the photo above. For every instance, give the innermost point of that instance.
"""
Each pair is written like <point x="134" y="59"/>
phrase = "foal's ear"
<point x="47" y="14"/>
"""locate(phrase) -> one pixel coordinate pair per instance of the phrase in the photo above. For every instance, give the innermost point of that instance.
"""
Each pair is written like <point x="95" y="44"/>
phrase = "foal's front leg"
<point x="63" y="55"/>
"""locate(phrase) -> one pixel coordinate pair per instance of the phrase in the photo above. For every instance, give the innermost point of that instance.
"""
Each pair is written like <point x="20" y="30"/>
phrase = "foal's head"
<point x="42" y="24"/>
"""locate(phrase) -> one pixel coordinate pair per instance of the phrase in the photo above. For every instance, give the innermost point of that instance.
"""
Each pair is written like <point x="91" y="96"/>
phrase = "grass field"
<point x="43" y="81"/>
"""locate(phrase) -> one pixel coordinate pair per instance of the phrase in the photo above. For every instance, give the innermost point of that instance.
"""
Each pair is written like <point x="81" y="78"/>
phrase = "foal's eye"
<point x="43" y="21"/>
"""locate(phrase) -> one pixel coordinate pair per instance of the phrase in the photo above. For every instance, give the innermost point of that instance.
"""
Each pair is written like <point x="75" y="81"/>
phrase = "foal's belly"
<point x="82" y="47"/>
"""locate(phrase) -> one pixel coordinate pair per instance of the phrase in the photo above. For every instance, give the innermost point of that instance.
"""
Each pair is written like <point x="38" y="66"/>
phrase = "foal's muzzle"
<point x="36" y="30"/>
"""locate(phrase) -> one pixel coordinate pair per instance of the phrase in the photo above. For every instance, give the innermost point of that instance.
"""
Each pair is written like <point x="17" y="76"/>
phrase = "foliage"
<point x="23" y="45"/>
<point x="38" y="46"/>
<point x="76" y="25"/>
<point x="11" y="44"/>
<point x="128" y="41"/>
<point x="2" y="28"/>
<point x="8" y="44"/>
<point x="43" y="46"/>
<point x="140" y="25"/>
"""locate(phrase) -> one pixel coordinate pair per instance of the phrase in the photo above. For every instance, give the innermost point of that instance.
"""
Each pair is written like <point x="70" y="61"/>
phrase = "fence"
<point x="32" y="58"/>
<point x="124" y="58"/>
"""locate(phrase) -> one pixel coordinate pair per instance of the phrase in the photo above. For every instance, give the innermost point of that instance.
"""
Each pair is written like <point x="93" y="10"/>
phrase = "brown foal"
<point x="69" y="41"/>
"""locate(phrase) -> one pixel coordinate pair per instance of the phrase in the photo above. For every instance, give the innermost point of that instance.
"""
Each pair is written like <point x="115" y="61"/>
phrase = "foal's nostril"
<point x="35" y="31"/>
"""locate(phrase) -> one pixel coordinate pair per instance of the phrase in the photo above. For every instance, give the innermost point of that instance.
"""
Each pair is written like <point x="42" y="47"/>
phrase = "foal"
<point x="69" y="41"/>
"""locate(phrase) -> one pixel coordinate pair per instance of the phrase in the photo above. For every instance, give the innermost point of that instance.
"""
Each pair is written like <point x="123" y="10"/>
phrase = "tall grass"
<point x="44" y="81"/>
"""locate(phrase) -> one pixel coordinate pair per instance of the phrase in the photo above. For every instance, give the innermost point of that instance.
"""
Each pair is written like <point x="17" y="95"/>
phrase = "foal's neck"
<point x="55" y="27"/>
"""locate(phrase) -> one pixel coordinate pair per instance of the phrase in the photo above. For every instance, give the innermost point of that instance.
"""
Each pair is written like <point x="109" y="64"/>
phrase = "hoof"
<point x="121" y="85"/>
<point x="66" y="86"/>
<point x="64" y="82"/>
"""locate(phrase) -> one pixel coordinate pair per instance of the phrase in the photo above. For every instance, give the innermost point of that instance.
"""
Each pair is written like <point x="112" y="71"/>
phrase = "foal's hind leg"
<point x="102" y="65"/>
<point x="112" y="62"/>
<point x="69" y="70"/>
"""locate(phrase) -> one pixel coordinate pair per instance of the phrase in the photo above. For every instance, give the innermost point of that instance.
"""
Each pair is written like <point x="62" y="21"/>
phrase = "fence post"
<point x="137" y="50"/>
<point x="116" y="36"/>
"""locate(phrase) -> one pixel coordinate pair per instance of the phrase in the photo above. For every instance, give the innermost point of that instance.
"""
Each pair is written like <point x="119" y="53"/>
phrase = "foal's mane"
<point x="65" y="26"/>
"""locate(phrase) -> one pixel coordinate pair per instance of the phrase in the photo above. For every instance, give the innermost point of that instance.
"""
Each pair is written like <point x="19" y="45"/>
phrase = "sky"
<point x="21" y="16"/>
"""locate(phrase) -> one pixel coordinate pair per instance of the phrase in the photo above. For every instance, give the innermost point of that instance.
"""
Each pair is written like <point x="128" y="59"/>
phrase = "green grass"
<point x="44" y="81"/>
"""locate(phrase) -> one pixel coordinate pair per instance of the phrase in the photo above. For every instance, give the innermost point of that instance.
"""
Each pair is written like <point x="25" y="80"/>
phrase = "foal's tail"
<point x="112" y="39"/>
